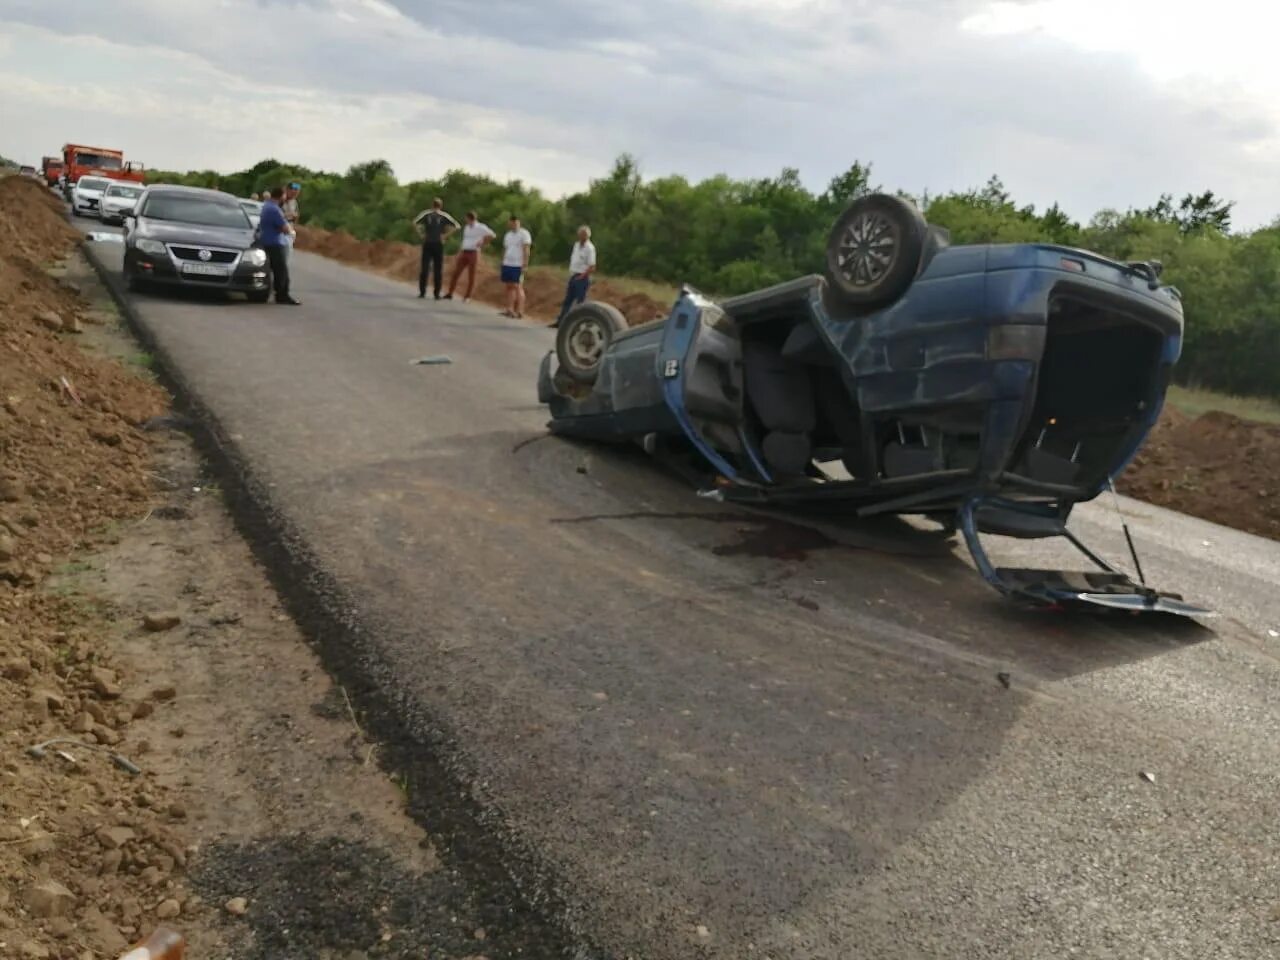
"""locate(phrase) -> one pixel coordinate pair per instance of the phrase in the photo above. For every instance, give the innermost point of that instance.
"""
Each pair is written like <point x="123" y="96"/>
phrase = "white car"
<point x="118" y="198"/>
<point x="252" y="210"/>
<point x="86" y="195"/>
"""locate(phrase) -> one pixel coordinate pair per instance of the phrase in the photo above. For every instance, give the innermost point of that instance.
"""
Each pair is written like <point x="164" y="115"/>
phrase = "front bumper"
<point x="87" y="207"/>
<point x="236" y="275"/>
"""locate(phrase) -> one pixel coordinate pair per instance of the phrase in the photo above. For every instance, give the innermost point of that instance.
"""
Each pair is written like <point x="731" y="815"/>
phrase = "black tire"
<point x="874" y="250"/>
<point x="134" y="283"/>
<point x="584" y="335"/>
<point x="259" y="296"/>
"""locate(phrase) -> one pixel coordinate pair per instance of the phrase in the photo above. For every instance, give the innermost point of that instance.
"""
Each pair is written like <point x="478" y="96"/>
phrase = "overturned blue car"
<point x="989" y="388"/>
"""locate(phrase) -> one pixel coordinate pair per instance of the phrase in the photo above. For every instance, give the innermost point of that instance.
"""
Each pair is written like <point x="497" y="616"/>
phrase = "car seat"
<point x="781" y="394"/>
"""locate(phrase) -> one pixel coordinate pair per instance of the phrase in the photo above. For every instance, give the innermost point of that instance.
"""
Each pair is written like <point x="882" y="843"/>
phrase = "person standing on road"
<point x="582" y="264"/>
<point x="516" y="244"/>
<point x="273" y="232"/>
<point x="290" y="210"/>
<point x="434" y="226"/>
<point x="475" y="237"/>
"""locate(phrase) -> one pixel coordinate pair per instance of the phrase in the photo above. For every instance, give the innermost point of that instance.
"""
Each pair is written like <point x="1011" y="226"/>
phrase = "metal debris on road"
<point x="1149" y="777"/>
<point x="435" y="360"/>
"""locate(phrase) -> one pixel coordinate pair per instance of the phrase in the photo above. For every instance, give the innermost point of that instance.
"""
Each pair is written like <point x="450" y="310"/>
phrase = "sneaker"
<point x="437" y="296"/>
<point x="448" y="296"/>
<point x="289" y="301"/>
<point x="423" y="294"/>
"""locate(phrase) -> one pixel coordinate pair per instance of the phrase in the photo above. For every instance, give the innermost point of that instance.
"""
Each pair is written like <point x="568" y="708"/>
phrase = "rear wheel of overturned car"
<point x="585" y="333"/>
<point x="874" y="250"/>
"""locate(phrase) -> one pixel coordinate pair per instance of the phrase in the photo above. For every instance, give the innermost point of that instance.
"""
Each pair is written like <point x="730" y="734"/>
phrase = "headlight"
<point x="154" y="247"/>
<point x="255" y="257"/>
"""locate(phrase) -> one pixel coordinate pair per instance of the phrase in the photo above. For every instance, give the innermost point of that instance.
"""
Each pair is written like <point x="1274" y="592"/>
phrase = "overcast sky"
<point x="1091" y="103"/>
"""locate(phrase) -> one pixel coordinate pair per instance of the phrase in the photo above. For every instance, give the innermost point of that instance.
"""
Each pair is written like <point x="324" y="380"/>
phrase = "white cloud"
<point x="1087" y="103"/>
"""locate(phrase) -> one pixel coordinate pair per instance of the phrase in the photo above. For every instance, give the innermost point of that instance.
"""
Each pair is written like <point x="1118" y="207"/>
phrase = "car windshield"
<point x="98" y="160"/>
<point x="129" y="193"/>
<point x="92" y="183"/>
<point x="251" y="206"/>
<point x="204" y="211"/>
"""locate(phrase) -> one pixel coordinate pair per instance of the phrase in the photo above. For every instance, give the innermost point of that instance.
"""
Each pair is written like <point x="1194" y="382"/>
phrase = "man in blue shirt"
<point x="273" y="232"/>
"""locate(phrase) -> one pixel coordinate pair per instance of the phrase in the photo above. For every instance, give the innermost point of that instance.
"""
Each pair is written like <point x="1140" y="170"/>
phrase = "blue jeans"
<point x="574" y="294"/>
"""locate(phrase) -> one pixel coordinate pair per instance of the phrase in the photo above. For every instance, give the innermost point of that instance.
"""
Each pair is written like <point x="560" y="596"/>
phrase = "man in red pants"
<point x="475" y="237"/>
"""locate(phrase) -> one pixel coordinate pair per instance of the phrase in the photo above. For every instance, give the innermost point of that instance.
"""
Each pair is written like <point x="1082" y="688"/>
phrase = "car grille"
<point x="90" y="202"/>
<point x="193" y="253"/>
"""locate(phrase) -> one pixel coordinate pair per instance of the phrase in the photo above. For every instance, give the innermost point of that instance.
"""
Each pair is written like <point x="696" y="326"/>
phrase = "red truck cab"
<point x="51" y="170"/>
<point x="79" y="161"/>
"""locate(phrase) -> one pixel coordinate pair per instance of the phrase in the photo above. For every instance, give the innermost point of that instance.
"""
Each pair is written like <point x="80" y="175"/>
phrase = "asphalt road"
<point x="728" y="736"/>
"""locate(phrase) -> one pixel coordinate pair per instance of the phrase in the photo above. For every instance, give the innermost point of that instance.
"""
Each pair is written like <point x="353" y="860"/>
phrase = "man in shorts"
<point x="516" y="244"/>
<point x="475" y="237"/>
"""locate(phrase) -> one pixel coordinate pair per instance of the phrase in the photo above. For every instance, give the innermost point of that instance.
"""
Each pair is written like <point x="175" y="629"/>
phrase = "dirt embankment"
<point x="544" y="286"/>
<point x="1215" y="466"/>
<point x="74" y="836"/>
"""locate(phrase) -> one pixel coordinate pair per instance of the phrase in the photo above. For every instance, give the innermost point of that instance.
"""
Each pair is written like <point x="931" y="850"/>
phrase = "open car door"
<point x="1106" y="588"/>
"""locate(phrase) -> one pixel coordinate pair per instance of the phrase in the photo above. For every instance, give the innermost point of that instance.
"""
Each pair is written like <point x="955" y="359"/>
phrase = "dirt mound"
<point x="544" y="286"/>
<point x="1215" y="466"/>
<point x="75" y="838"/>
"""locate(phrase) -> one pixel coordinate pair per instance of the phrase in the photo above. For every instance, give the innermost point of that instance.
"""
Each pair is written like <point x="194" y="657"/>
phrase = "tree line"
<point x="727" y="236"/>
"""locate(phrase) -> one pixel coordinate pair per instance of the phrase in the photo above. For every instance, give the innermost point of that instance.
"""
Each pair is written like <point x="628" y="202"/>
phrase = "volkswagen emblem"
<point x="205" y="255"/>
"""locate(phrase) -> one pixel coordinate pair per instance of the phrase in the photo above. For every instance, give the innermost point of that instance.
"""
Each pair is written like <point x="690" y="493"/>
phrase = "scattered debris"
<point x="434" y="360"/>
<point x="236" y="906"/>
<point x="70" y="391"/>
<point x="39" y="750"/>
<point x="1149" y="777"/>
<point x="1005" y="679"/>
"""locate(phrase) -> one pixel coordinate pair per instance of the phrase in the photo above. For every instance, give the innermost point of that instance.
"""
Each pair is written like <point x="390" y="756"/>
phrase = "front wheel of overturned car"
<point x="874" y="250"/>
<point x="585" y="334"/>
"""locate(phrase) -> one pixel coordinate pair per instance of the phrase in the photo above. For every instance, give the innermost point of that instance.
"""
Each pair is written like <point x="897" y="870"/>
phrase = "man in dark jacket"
<point x="434" y="226"/>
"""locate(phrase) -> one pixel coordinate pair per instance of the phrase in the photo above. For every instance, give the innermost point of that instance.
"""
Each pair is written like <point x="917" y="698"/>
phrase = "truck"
<point x="79" y="160"/>
<point x="51" y="170"/>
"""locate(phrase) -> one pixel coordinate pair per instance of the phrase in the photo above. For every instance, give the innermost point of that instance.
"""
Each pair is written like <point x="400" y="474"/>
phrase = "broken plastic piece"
<point x="164" y="944"/>
<point x="431" y="361"/>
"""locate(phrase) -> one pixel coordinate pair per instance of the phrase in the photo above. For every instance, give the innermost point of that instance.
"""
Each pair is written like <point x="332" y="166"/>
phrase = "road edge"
<point x="446" y="800"/>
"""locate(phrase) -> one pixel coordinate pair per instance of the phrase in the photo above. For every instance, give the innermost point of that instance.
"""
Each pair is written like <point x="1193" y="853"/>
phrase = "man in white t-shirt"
<point x="475" y="237"/>
<point x="582" y="264"/>
<point x="516" y="244"/>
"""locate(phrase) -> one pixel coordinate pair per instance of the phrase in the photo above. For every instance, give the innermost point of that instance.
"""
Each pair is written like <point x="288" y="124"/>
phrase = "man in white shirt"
<point x="582" y="264"/>
<point x="516" y="244"/>
<point x="475" y="237"/>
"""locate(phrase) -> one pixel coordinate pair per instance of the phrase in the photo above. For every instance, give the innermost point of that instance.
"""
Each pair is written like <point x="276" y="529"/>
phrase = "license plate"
<point x="205" y="269"/>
